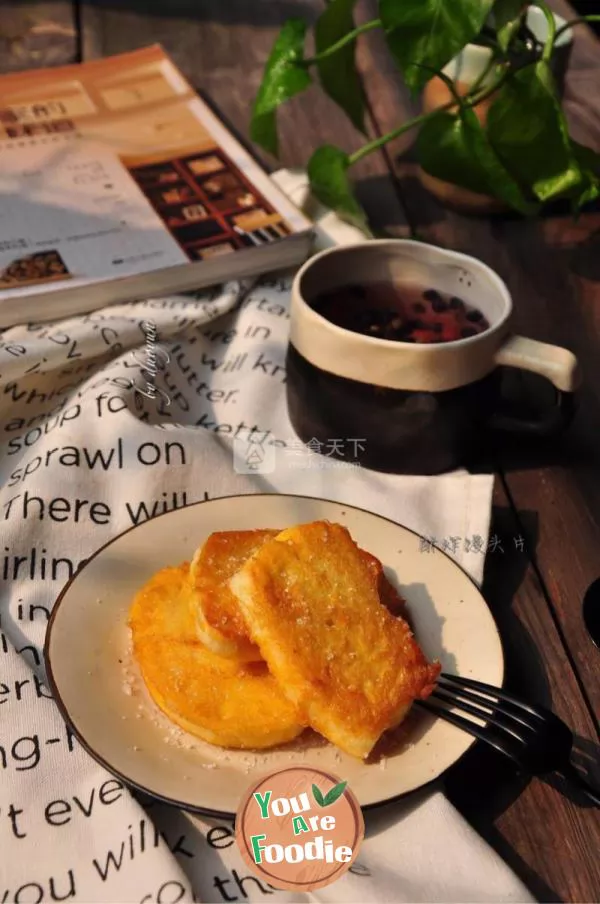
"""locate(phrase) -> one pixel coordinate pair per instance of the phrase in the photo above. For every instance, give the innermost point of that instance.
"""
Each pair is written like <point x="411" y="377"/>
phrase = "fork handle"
<point x="572" y="775"/>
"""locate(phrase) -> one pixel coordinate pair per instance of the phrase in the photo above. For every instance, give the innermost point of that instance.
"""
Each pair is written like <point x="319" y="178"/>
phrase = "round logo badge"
<point x="299" y="828"/>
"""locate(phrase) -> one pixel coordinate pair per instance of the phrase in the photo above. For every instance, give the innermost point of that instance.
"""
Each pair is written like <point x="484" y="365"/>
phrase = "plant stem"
<point x="347" y="39"/>
<point x="484" y="41"/>
<point x="395" y="133"/>
<point x="549" y="43"/>
<point x="577" y="21"/>
<point x="439" y="73"/>
<point x="483" y="74"/>
<point x="478" y="99"/>
<point x="518" y="29"/>
<point x="472" y="100"/>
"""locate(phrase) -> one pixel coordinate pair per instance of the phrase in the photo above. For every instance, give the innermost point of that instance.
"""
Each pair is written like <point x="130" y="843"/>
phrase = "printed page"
<point x="116" y="168"/>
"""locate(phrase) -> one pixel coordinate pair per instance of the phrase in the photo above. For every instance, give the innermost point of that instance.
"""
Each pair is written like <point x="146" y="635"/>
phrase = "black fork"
<point x="530" y="735"/>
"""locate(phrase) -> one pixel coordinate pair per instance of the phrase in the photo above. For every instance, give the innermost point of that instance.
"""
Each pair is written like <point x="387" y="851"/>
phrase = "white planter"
<point x="472" y="61"/>
<point x="465" y="69"/>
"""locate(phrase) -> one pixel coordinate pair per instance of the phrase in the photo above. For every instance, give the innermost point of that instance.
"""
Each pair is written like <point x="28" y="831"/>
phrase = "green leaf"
<point x="589" y="162"/>
<point x="430" y="32"/>
<point x="334" y="793"/>
<point x="507" y="18"/>
<point x="318" y="796"/>
<point x="329" y="183"/>
<point x="337" y="73"/>
<point x="587" y="157"/>
<point x="454" y="147"/>
<point x="589" y="192"/>
<point x="282" y="79"/>
<point x="527" y="128"/>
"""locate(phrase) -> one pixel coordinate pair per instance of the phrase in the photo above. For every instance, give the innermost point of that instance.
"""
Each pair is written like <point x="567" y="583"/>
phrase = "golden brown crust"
<point x="393" y="601"/>
<point x="221" y="624"/>
<point x="223" y="702"/>
<point x="311" y="600"/>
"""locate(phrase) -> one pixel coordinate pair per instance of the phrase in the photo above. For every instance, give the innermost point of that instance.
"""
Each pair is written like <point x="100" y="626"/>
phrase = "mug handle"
<point x="556" y="364"/>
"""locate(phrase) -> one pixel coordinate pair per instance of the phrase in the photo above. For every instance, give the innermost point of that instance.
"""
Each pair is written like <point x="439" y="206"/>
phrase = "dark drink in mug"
<point x="401" y="312"/>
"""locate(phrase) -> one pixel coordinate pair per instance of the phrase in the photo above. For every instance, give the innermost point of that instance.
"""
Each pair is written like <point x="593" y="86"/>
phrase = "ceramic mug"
<point x="410" y="408"/>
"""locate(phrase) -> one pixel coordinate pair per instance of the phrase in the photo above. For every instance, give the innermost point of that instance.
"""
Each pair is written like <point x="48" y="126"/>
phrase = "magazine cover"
<point x="116" y="167"/>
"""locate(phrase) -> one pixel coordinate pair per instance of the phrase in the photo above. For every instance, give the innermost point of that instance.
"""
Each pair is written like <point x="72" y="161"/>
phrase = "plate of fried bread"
<point x="219" y="642"/>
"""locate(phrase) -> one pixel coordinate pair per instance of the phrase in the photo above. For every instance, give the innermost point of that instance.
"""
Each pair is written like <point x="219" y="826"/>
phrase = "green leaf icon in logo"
<point x="332" y="795"/>
<point x="318" y="796"/>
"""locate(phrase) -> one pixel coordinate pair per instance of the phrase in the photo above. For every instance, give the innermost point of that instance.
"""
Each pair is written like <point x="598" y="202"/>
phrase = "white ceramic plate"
<point x="95" y="684"/>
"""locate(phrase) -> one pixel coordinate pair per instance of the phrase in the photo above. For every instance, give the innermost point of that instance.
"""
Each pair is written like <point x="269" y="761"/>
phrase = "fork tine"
<point x="516" y="715"/>
<point x="466" y="725"/>
<point x="454" y="697"/>
<point x="460" y="682"/>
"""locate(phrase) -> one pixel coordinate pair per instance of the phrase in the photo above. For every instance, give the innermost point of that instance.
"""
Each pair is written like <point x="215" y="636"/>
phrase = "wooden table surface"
<point x="547" y="498"/>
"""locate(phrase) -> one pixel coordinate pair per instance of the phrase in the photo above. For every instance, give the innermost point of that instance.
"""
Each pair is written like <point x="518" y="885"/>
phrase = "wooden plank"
<point x="33" y="35"/>
<point x="551" y="268"/>
<point x="581" y="99"/>
<point x="532" y="826"/>
<point x="562" y="307"/>
<point x="222" y="51"/>
<point x="550" y="840"/>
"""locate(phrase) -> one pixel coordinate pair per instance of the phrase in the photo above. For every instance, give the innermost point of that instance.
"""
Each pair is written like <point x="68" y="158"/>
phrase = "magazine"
<point x="118" y="182"/>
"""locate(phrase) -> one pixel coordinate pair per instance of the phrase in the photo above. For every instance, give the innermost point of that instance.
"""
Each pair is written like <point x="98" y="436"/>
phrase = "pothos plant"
<point x="521" y="153"/>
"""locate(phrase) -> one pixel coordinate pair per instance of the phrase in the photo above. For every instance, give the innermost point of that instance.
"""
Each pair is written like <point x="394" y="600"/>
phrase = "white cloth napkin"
<point x="88" y="449"/>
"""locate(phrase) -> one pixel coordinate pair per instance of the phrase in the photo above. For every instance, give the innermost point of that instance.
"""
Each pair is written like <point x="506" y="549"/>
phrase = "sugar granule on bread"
<point x="311" y="602"/>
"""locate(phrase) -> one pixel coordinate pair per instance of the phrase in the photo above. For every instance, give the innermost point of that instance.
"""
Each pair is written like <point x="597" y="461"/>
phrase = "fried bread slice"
<point x="223" y="702"/>
<point x="393" y="601"/>
<point x="312" y="603"/>
<point x="221" y="626"/>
